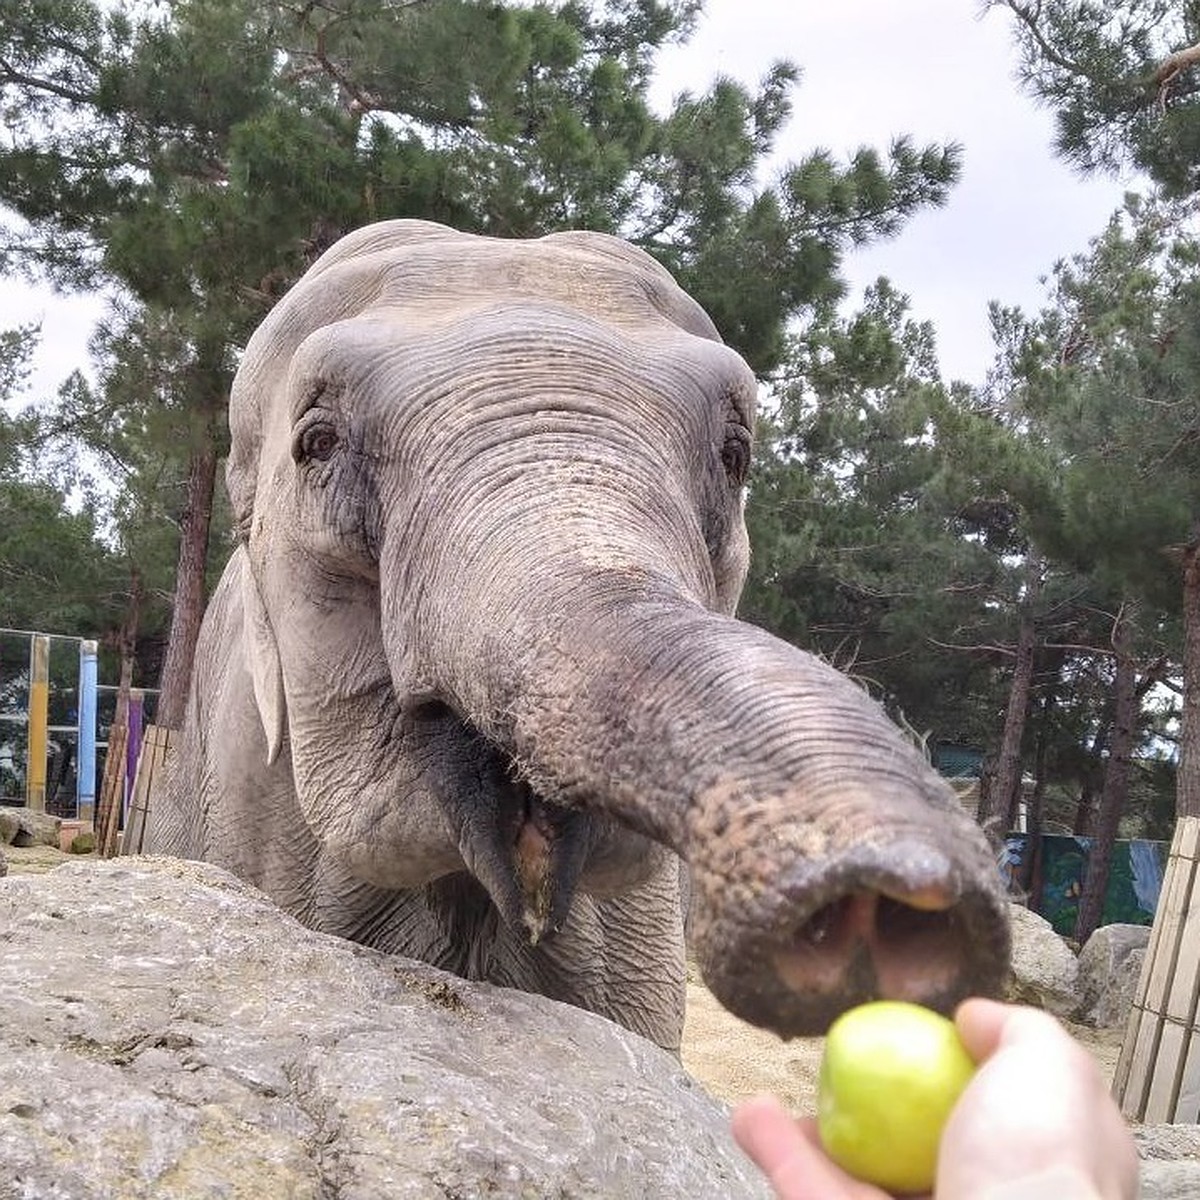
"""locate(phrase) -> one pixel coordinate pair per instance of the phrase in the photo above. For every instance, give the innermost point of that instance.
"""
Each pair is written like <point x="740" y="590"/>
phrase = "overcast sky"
<point x="940" y="72"/>
<point x="872" y="69"/>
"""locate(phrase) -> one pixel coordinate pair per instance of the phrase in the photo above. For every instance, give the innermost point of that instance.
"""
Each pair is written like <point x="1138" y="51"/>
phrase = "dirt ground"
<point x="735" y="1060"/>
<point x="33" y="860"/>
<point x="732" y="1059"/>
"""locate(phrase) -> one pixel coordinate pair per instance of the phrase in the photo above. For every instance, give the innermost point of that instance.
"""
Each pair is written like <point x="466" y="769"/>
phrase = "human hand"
<point x="1035" y="1123"/>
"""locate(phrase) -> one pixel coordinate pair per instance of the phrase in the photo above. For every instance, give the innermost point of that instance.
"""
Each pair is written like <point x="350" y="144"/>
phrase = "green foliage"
<point x="872" y="546"/>
<point x="197" y="157"/>
<point x="1118" y="95"/>
<point x="1108" y="375"/>
<point x="55" y="573"/>
<point x="204" y="152"/>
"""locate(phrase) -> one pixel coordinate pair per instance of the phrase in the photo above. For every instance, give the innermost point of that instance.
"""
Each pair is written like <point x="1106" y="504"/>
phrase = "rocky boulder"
<point x="1109" y="967"/>
<point x="168" y="1033"/>
<point x="1170" y="1161"/>
<point x="1045" y="972"/>
<point x="24" y="827"/>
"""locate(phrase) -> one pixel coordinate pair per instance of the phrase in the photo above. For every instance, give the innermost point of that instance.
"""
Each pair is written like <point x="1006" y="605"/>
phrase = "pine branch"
<point x="1028" y="15"/>
<point x="979" y="648"/>
<point x="1174" y="64"/>
<point x="10" y="75"/>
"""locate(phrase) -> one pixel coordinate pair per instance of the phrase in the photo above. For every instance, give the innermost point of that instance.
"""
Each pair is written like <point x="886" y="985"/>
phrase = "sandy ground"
<point x="735" y="1060"/>
<point x="33" y="860"/>
<point x="732" y="1059"/>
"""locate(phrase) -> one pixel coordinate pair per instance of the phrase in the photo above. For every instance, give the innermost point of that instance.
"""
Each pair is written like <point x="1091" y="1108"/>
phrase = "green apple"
<point x="890" y="1075"/>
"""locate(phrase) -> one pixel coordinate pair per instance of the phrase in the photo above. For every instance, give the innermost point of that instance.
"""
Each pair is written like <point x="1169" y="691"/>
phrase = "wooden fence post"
<point x="156" y="745"/>
<point x="1158" y="1074"/>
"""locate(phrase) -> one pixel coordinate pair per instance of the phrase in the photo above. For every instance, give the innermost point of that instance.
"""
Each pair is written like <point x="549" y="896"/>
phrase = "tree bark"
<point x="1188" y="780"/>
<point x="127" y="644"/>
<point x="1031" y="868"/>
<point x="997" y="816"/>
<point x="1085" y="812"/>
<point x="1116" y="778"/>
<point x="188" y="609"/>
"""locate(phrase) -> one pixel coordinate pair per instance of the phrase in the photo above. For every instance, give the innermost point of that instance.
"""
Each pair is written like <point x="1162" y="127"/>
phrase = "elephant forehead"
<point x="514" y="359"/>
<point x="427" y="284"/>
<point x="413" y="263"/>
<point x="413" y="282"/>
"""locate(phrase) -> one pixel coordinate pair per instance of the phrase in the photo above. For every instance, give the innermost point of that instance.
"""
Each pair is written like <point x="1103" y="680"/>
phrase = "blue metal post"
<point x="85" y="780"/>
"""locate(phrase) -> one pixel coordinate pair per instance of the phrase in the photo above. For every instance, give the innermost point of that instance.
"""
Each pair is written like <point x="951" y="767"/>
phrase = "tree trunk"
<point x="188" y="607"/>
<point x="1116" y="778"/>
<point x="1005" y="790"/>
<point x="1085" y="809"/>
<point x="1187" y="802"/>
<point x="1031" y="868"/>
<point x="127" y="644"/>
<point x="1093" y="779"/>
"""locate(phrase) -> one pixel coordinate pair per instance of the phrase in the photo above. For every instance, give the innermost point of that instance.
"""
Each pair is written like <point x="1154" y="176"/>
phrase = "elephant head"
<point x="491" y="497"/>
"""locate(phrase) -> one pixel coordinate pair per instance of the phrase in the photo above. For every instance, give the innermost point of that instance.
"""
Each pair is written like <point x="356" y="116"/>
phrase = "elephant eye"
<point x="317" y="442"/>
<point x="735" y="454"/>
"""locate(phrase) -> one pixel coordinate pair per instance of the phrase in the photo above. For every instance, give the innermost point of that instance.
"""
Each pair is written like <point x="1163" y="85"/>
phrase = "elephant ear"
<point x="262" y="659"/>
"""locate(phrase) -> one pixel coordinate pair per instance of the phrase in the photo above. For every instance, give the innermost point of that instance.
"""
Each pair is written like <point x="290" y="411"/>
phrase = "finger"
<point x="986" y="1025"/>
<point x="980" y="1024"/>
<point x="788" y="1153"/>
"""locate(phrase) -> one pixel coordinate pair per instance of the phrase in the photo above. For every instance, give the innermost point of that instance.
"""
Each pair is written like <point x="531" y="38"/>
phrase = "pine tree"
<point x="200" y="155"/>
<point x="1123" y="81"/>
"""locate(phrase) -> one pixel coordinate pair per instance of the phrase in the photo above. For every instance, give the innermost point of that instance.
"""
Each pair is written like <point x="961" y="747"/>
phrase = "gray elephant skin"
<point x="471" y="684"/>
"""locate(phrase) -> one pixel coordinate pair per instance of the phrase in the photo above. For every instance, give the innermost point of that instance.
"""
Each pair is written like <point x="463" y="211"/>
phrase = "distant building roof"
<point x="958" y="762"/>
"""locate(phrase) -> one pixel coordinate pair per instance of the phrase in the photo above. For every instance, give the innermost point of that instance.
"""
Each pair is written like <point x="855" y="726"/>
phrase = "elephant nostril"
<point x="901" y="923"/>
<point x="830" y="924"/>
<point x="895" y="948"/>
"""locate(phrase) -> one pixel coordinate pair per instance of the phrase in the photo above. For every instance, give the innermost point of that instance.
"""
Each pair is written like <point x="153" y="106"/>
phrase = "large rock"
<point x="1109" y="966"/>
<point x="24" y="827"/>
<point x="168" y="1033"/>
<point x="1045" y="972"/>
<point x="1170" y="1168"/>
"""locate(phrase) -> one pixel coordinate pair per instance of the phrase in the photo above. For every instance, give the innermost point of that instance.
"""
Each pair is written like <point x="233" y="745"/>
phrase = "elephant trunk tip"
<point x="855" y="929"/>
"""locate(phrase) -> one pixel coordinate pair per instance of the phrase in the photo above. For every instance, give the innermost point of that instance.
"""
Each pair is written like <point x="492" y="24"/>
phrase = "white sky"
<point x="939" y="72"/>
<point x="872" y="69"/>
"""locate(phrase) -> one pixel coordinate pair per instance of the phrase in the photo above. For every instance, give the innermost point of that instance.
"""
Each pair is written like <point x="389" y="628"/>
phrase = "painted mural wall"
<point x="1134" y="881"/>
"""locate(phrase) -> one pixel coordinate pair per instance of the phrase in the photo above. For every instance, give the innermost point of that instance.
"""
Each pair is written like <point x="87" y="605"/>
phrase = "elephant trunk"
<point x="829" y="863"/>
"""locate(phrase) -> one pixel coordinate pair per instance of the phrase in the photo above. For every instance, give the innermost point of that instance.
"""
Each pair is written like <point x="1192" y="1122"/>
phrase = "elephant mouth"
<point x="527" y="851"/>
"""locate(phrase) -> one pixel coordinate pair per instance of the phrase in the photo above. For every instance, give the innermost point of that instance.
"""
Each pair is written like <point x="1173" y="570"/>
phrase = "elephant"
<point x="473" y="686"/>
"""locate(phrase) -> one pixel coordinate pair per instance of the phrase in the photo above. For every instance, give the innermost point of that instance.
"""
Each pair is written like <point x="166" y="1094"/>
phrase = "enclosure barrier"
<point x="38" y="729"/>
<point x="112" y="792"/>
<point x="1158" y="1074"/>
<point x="85" y="771"/>
<point x="39" y="709"/>
<point x="148" y="778"/>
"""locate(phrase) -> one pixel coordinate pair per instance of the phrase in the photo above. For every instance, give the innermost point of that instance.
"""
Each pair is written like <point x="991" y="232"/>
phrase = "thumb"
<point x="986" y="1025"/>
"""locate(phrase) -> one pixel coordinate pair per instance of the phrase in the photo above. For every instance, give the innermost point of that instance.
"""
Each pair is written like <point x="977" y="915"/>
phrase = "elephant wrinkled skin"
<point x="472" y="679"/>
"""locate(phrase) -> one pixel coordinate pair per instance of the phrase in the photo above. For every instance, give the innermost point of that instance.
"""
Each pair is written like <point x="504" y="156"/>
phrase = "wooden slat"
<point x="1152" y="1080"/>
<point x="1160" y="1100"/>
<point x="1133" y="1029"/>
<point x="156" y="745"/>
<point x="112" y="792"/>
<point x="1142" y="1054"/>
<point x="1187" y="1107"/>
<point x="1177" y="889"/>
<point x="1180" y="1003"/>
